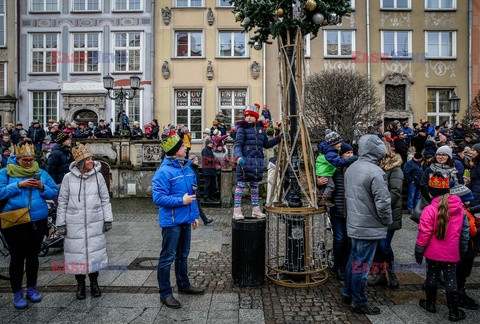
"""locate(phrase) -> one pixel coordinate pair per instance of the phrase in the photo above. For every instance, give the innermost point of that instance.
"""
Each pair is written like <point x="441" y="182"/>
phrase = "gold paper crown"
<point x="81" y="152"/>
<point x="437" y="182"/>
<point x="25" y="150"/>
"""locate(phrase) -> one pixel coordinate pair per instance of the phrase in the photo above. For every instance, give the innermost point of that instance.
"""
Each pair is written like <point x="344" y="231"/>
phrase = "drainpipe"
<point x="17" y="62"/>
<point x="470" y="13"/>
<point x="369" y="71"/>
<point x="264" y="73"/>
<point x="152" y="55"/>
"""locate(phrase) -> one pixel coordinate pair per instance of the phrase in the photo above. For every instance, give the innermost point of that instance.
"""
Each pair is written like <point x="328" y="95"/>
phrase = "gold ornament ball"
<point x="238" y="16"/>
<point x="280" y="12"/>
<point x="311" y="5"/>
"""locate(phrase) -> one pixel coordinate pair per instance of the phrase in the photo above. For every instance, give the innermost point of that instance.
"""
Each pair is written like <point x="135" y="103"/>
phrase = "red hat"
<point x="251" y="111"/>
<point x="257" y="105"/>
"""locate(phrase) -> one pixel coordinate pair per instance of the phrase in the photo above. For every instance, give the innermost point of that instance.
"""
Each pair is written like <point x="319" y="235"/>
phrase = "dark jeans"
<point x="24" y="244"/>
<point x="358" y="266"/>
<point x="175" y="247"/>
<point x="464" y="269"/>
<point x="434" y="268"/>
<point x="209" y="186"/>
<point x="413" y="196"/>
<point x="384" y="252"/>
<point x="202" y="213"/>
<point x="341" y="242"/>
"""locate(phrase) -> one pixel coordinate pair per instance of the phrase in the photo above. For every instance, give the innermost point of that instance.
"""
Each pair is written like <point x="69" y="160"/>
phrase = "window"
<point x="339" y="43"/>
<point x="86" y="5"/>
<point x="45" y="106"/>
<point x="189" y="44"/>
<point x="440" y="4"/>
<point x="224" y="3"/>
<point x="85" y="52"/>
<point x="133" y="108"/>
<point x="44" y="5"/>
<point x="232" y="44"/>
<point x="44" y="49"/>
<point x="2" y="24"/>
<point x="189" y="3"/>
<point x="307" y="46"/>
<point x="232" y="104"/>
<point x="352" y="4"/>
<point x="127" y="51"/>
<point x="441" y="44"/>
<point x="395" y="4"/>
<point x="438" y="106"/>
<point x="397" y="43"/>
<point x="128" y="5"/>
<point x="188" y="110"/>
<point x="3" y="78"/>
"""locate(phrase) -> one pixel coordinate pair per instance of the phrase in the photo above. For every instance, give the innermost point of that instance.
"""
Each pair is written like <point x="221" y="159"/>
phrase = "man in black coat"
<point x="102" y="131"/>
<point x="16" y="133"/>
<point x="208" y="170"/>
<point x="36" y="134"/>
<point x="59" y="160"/>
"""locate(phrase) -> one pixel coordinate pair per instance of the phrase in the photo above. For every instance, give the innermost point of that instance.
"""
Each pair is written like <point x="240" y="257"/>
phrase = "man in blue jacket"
<point x="173" y="191"/>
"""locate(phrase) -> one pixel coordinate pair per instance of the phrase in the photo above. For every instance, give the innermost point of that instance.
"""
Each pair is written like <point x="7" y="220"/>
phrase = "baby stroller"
<point x="52" y="238"/>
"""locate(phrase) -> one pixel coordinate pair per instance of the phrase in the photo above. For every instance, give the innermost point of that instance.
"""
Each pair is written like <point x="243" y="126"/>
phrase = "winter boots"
<point x="429" y="303"/>
<point x="257" y="212"/>
<point x="325" y="201"/>
<point x="393" y="278"/>
<point x="379" y="279"/>
<point x="80" y="287"/>
<point x="237" y="213"/>
<point x="454" y="313"/>
<point x="19" y="301"/>
<point x="94" y="288"/>
<point x="466" y="301"/>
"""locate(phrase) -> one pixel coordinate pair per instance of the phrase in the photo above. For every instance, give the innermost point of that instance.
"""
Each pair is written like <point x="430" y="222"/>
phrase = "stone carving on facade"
<point x="255" y="70"/>
<point x="338" y="65"/>
<point x="44" y="23"/>
<point x="209" y="70"/>
<point x="397" y="96"/>
<point x="128" y="22"/>
<point x="437" y="19"/>
<point x="165" y="70"/>
<point x="397" y="67"/>
<point x="395" y="19"/>
<point x="72" y="103"/>
<point x="3" y="54"/>
<point x="440" y="68"/>
<point x="103" y="150"/>
<point x="166" y="15"/>
<point x="86" y="22"/>
<point x="151" y="153"/>
<point x="210" y="16"/>
<point x="58" y="22"/>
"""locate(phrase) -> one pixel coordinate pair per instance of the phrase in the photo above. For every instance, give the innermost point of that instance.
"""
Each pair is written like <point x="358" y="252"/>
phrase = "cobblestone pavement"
<point x="131" y="296"/>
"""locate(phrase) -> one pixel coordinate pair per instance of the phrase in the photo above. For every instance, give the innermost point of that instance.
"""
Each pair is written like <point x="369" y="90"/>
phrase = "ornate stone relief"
<point x="209" y="70"/>
<point x="337" y="65"/>
<point x="435" y="19"/>
<point x="151" y="153"/>
<point x="73" y="103"/>
<point x="3" y="55"/>
<point x="255" y="69"/>
<point x="165" y="70"/>
<point x="210" y="16"/>
<point x="86" y="22"/>
<point x="128" y="22"/>
<point x="395" y="19"/>
<point x="397" y="67"/>
<point x="100" y="149"/>
<point x="166" y="15"/>
<point x="440" y="68"/>
<point x="397" y="80"/>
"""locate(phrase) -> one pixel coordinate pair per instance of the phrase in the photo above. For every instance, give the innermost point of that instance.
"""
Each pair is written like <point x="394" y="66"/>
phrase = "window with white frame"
<point x="224" y="3"/>
<point x="232" y="44"/>
<point x="397" y="43"/>
<point x="189" y="3"/>
<point x="2" y="24"/>
<point x="188" y="44"/>
<point x="127" y="50"/>
<point x="3" y="78"/>
<point x="440" y="4"/>
<point x="232" y="103"/>
<point x="307" y="46"/>
<point x="438" y="105"/>
<point x="339" y="43"/>
<point x="128" y="5"/>
<point x="441" y="44"/>
<point x="86" y="5"/>
<point x="44" y="5"/>
<point x="133" y="108"/>
<point x="395" y="4"/>
<point x="44" y="106"/>
<point x="188" y="110"/>
<point x="44" y="50"/>
<point x="86" y="47"/>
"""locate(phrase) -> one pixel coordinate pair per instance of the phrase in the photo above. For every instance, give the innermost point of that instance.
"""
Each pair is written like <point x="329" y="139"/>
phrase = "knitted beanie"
<point x="345" y="148"/>
<point x="171" y="145"/>
<point x="476" y="147"/>
<point x="445" y="149"/>
<point x="332" y="138"/>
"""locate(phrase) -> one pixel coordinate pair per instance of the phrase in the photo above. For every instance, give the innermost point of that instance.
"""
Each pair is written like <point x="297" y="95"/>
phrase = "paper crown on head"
<point x="171" y="145"/>
<point x="251" y="111"/>
<point x="81" y="152"/>
<point x="26" y="149"/>
<point x="437" y="181"/>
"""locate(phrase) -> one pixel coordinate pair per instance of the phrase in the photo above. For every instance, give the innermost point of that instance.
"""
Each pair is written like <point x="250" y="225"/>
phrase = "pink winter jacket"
<point x="447" y="250"/>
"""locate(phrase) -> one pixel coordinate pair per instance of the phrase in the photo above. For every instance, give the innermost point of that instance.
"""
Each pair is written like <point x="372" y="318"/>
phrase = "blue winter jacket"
<point x="169" y="184"/>
<point x="413" y="171"/>
<point x="332" y="155"/>
<point x="474" y="184"/>
<point x="460" y="167"/>
<point x="249" y="143"/>
<point x="18" y="197"/>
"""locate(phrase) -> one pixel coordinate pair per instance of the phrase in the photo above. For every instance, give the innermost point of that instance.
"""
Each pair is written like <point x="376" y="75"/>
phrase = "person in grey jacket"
<point x="368" y="215"/>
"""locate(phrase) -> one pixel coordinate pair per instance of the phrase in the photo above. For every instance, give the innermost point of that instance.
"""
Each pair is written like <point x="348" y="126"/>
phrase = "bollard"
<point x="248" y="252"/>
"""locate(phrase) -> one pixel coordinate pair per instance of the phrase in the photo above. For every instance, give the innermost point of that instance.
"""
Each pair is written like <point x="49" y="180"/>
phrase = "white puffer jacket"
<point x="84" y="206"/>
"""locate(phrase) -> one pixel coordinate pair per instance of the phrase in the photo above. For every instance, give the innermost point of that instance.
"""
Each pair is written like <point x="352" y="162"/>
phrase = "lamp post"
<point x="454" y="106"/>
<point x="108" y="84"/>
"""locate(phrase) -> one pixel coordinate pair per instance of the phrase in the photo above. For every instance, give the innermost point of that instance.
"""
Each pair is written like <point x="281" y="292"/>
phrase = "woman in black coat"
<point x="209" y="171"/>
<point x="59" y="160"/>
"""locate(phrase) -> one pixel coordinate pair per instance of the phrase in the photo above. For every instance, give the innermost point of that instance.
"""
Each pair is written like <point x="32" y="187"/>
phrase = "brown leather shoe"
<point x="192" y="291"/>
<point x="170" y="302"/>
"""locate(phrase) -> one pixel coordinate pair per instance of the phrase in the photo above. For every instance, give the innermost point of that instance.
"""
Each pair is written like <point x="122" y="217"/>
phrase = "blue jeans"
<point x="384" y="252"/>
<point x="175" y="246"/>
<point x="358" y="266"/>
<point x="341" y="242"/>
<point x="413" y="196"/>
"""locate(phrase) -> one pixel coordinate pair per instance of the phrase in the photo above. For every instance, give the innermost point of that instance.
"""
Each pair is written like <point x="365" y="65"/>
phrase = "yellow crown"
<point x="25" y="150"/>
<point x="81" y="152"/>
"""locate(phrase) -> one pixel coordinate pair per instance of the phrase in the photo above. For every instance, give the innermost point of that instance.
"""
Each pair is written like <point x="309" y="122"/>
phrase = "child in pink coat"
<point x="441" y="239"/>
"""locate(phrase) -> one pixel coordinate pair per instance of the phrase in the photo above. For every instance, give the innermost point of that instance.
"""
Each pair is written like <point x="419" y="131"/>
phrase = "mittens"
<point x="62" y="230"/>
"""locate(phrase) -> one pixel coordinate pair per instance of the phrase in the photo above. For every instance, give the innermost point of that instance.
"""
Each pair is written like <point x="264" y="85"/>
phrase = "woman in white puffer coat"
<point x="84" y="214"/>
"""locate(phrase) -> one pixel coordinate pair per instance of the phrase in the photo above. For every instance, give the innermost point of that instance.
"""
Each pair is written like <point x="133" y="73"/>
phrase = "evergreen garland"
<point x="275" y="17"/>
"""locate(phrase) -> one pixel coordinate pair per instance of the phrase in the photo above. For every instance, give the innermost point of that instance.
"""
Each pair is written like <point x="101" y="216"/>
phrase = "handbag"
<point x="417" y="212"/>
<point x="17" y="216"/>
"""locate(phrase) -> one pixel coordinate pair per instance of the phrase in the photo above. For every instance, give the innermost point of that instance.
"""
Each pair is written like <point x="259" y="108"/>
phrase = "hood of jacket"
<point x="12" y="159"/>
<point x="96" y="168"/>
<point x="324" y="148"/>
<point x="391" y="161"/>
<point x="175" y="163"/>
<point x="58" y="147"/>
<point x="371" y="149"/>
<point x="245" y="124"/>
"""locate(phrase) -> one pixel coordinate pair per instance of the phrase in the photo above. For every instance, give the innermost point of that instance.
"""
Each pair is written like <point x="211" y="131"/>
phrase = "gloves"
<point x="352" y="159"/>
<point x="62" y="230"/>
<point x="240" y="161"/>
<point x="107" y="226"/>
<point x="419" y="250"/>
<point x="283" y="134"/>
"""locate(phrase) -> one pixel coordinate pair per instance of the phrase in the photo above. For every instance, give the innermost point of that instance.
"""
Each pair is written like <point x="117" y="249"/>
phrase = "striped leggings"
<point x="239" y="192"/>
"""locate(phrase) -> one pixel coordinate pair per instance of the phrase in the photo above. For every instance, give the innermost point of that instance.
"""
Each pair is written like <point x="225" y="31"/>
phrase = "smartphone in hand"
<point x="37" y="176"/>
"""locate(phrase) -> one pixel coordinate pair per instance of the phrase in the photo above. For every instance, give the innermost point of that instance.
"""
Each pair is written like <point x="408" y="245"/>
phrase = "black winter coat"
<point x="208" y="162"/>
<point x="249" y="143"/>
<point x="58" y="162"/>
<point x="37" y="135"/>
<point x="339" y="194"/>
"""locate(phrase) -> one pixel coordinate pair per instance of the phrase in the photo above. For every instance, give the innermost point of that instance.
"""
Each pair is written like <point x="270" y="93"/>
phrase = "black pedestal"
<point x="248" y="252"/>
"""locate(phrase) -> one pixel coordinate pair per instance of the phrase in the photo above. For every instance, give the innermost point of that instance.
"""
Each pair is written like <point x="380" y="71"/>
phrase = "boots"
<point x="33" y="295"/>
<point x="80" y="287"/>
<point x="429" y="303"/>
<point x="257" y="212"/>
<point x="378" y="280"/>
<point x="19" y="301"/>
<point x="94" y="288"/>
<point x="237" y="213"/>
<point x="454" y="314"/>
<point x="325" y="201"/>
<point x="466" y="301"/>
<point x="393" y="278"/>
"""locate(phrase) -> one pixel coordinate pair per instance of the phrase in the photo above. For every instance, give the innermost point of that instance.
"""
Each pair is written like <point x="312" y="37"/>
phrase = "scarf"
<point x="16" y="171"/>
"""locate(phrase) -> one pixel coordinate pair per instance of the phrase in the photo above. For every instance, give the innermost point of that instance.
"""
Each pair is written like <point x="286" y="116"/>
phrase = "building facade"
<point x="475" y="48"/>
<point x="66" y="47"/>
<point x="8" y="61"/>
